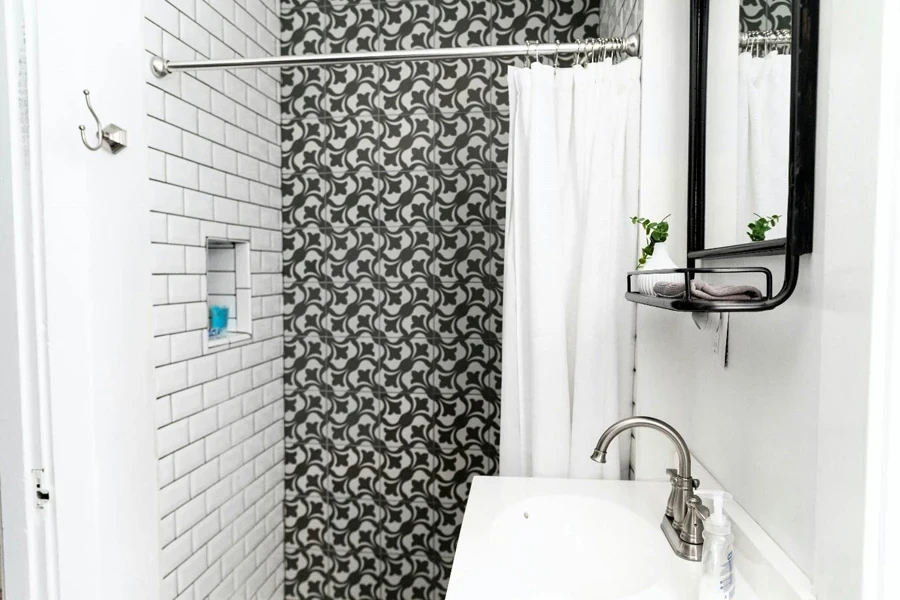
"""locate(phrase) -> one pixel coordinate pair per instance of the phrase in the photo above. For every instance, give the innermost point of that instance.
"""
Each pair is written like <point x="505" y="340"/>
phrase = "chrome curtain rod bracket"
<point x="162" y="67"/>
<point x="159" y="66"/>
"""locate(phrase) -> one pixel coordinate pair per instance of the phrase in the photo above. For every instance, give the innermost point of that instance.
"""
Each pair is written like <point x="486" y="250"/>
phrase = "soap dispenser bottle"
<point x="717" y="579"/>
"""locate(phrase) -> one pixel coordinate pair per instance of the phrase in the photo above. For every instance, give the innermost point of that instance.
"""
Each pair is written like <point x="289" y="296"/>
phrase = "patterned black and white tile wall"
<point x="394" y="184"/>
<point x="620" y="18"/>
<point x="765" y="15"/>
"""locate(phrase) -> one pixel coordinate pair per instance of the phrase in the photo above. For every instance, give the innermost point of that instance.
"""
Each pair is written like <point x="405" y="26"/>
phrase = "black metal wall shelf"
<point x="687" y="303"/>
<point x="764" y="248"/>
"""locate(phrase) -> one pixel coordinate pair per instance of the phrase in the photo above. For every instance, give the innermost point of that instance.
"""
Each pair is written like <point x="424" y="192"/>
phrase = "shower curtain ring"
<point x="556" y="58"/>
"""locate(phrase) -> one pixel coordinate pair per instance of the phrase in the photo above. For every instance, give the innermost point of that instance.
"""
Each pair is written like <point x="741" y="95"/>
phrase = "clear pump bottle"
<point x="717" y="581"/>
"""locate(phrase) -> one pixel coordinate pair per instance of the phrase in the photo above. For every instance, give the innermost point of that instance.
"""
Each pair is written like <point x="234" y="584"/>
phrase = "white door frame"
<point x="882" y="519"/>
<point x="28" y="530"/>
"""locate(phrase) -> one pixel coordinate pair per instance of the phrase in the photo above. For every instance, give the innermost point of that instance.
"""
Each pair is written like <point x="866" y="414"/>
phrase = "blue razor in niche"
<point x="218" y="320"/>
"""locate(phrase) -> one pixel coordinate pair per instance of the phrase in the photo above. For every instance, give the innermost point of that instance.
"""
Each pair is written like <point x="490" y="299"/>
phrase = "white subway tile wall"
<point x="214" y="152"/>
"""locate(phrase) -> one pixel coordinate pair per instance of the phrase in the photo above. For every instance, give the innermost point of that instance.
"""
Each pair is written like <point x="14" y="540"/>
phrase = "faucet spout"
<point x="682" y="523"/>
<point x="684" y="455"/>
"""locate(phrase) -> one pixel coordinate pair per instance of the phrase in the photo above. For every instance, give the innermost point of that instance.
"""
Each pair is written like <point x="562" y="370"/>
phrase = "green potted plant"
<point x="761" y="226"/>
<point x="654" y="255"/>
<point x="657" y="233"/>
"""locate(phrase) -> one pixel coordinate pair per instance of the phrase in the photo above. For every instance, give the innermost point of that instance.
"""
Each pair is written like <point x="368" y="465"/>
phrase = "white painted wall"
<point x="783" y="427"/>
<point x="96" y="252"/>
<point x="882" y="531"/>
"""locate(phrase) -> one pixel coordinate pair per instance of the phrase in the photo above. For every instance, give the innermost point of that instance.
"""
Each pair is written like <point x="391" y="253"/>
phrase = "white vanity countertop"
<point x="547" y="539"/>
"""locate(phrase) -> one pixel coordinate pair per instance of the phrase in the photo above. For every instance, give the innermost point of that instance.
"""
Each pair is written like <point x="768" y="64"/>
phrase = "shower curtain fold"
<point x="764" y="115"/>
<point x="573" y="182"/>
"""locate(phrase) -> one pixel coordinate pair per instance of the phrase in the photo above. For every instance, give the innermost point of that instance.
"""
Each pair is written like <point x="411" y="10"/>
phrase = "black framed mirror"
<point x="754" y="158"/>
<point x="763" y="82"/>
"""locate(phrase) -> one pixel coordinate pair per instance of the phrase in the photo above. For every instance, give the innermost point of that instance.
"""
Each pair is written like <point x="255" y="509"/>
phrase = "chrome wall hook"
<point x="115" y="137"/>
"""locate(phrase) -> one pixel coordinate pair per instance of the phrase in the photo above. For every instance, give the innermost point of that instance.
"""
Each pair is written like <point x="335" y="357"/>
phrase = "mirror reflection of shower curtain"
<point x="764" y="113"/>
<point x="573" y="183"/>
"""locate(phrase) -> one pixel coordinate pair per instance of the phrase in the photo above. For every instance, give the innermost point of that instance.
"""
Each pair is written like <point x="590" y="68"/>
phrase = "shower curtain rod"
<point x="629" y="45"/>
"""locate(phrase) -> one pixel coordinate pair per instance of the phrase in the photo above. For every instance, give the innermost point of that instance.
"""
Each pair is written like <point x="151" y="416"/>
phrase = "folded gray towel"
<point x="702" y="290"/>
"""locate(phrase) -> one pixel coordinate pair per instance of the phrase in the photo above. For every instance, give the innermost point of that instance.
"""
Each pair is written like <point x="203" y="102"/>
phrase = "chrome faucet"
<point x="685" y="513"/>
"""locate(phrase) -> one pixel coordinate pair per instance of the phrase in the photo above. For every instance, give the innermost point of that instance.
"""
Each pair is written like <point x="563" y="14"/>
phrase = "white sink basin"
<point x="567" y="546"/>
<point x="558" y="539"/>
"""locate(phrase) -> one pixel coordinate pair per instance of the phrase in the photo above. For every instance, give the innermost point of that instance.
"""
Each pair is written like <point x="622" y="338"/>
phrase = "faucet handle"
<point x="692" y="528"/>
<point x="674" y="475"/>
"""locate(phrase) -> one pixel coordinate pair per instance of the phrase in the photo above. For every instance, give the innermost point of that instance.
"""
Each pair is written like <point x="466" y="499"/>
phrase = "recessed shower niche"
<point x="228" y="292"/>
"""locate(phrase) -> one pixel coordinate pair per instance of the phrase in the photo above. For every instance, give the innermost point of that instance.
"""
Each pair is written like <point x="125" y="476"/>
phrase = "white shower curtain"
<point x="573" y="183"/>
<point x="764" y="114"/>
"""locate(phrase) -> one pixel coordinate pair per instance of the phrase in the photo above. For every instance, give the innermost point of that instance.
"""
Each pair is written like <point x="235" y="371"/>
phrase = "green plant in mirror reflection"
<point x="657" y="232"/>
<point x="761" y="226"/>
